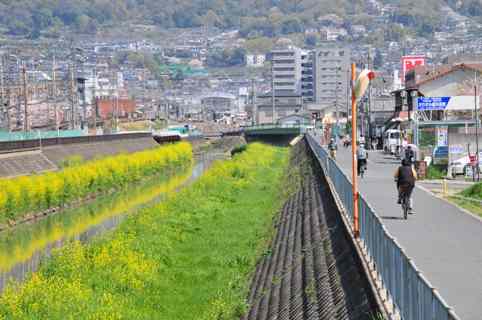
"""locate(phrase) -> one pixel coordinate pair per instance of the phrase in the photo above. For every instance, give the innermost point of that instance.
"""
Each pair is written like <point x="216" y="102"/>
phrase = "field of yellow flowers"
<point x="27" y="194"/>
<point x="189" y="257"/>
<point x="19" y="245"/>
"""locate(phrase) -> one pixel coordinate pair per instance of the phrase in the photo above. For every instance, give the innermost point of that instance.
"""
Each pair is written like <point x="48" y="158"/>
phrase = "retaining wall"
<point x="311" y="270"/>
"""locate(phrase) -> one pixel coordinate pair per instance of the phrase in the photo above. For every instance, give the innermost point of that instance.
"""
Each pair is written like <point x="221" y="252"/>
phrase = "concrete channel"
<point x="312" y="269"/>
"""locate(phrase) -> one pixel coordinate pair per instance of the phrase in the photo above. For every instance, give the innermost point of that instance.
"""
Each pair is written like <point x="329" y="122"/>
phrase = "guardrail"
<point x="34" y="135"/>
<point x="274" y="126"/>
<point x="412" y="295"/>
<point x="234" y="132"/>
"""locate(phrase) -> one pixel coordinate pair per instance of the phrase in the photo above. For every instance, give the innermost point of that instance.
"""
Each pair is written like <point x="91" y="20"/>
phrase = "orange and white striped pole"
<point x="356" y="226"/>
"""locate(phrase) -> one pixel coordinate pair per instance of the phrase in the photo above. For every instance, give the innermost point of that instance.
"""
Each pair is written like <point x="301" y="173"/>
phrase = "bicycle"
<point x="405" y="203"/>
<point x="363" y="168"/>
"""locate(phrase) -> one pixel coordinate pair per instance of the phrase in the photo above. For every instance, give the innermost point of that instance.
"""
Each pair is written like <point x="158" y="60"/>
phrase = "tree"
<point x="211" y="19"/>
<point x="18" y="28"/>
<point x="227" y="58"/>
<point x="259" y="45"/>
<point x="186" y="18"/>
<point x="291" y="25"/>
<point x="253" y="18"/>
<point x="42" y="19"/>
<point x="311" y="40"/>
<point x="82" y="23"/>
<point x="473" y="8"/>
<point x="237" y="57"/>
<point x="376" y="39"/>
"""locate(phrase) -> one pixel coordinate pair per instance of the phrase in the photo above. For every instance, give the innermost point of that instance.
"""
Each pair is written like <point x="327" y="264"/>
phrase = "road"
<point x="444" y="241"/>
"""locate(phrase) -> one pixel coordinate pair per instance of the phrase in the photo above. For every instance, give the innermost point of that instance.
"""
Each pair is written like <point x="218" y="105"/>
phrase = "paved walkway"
<point x="444" y="242"/>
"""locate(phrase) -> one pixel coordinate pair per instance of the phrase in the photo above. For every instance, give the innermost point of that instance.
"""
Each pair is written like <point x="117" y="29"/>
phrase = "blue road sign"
<point x="432" y="103"/>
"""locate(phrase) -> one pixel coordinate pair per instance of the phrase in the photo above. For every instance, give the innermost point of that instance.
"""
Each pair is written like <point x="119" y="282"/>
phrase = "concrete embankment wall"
<point x="29" y="158"/>
<point x="25" y="161"/>
<point x="311" y="270"/>
<point x="90" y="151"/>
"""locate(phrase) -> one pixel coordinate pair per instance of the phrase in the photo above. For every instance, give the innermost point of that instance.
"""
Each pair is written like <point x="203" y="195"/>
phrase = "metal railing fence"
<point x="412" y="295"/>
<point x="274" y="126"/>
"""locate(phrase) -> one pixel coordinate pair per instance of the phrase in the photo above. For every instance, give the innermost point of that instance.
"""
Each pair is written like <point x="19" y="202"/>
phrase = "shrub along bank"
<point x="188" y="258"/>
<point x="474" y="191"/>
<point x="23" y="195"/>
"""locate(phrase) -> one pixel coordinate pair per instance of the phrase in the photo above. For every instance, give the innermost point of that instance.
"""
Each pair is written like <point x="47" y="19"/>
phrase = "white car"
<point x="459" y="166"/>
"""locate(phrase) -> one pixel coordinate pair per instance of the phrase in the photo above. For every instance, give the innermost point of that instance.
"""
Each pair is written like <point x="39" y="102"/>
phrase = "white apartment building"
<point x="332" y="73"/>
<point x="286" y="70"/>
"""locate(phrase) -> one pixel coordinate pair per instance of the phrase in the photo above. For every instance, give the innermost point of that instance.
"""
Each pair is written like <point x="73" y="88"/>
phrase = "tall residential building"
<point x="286" y="70"/>
<point x="284" y="99"/>
<point x="332" y="73"/>
<point x="307" y="77"/>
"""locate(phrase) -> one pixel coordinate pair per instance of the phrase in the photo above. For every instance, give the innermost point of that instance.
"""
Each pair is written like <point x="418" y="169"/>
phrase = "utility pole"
<point x="253" y="102"/>
<point x="477" y="167"/>
<point x="116" y="102"/>
<point x="2" y="95"/>
<point x="95" y="110"/>
<point x="72" y="97"/>
<point x="54" y="94"/>
<point x="356" y="226"/>
<point x="348" y="84"/>
<point x="25" y="100"/>
<point x="336" y="103"/>
<point x="272" y="90"/>
<point x="83" y="86"/>
<point x="369" y="107"/>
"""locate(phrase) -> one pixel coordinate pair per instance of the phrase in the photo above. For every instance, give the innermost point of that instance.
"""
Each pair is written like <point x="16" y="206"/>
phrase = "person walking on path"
<point x="332" y="147"/>
<point x="361" y="156"/>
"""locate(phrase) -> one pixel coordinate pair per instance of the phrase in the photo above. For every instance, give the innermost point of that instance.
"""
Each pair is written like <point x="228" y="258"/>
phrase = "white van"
<point x="391" y="141"/>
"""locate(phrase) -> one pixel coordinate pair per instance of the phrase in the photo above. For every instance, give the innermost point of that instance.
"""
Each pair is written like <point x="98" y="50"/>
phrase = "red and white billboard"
<point x="410" y="62"/>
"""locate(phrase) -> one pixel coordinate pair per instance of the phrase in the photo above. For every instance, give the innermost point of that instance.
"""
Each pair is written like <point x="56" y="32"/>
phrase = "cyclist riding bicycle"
<point x="405" y="176"/>
<point x="410" y="155"/>
<point x="332" y="147"/>
<point x="361" y="156"/>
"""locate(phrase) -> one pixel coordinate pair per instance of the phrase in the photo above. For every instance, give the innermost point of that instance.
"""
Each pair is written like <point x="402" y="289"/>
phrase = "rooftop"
<point x="443" y="70"/>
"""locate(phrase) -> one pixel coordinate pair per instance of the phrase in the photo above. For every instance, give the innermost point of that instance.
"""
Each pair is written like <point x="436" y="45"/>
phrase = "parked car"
<point x="459" y="166"/>
<point x="441" y="155"/>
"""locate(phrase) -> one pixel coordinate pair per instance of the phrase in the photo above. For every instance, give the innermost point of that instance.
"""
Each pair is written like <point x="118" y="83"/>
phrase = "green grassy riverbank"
<point x="189" y="257"/>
